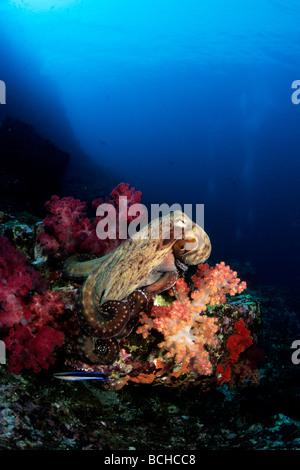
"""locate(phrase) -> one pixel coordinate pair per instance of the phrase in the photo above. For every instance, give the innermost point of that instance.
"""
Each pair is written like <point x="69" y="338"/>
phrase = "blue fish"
<point x="80" y="376"/>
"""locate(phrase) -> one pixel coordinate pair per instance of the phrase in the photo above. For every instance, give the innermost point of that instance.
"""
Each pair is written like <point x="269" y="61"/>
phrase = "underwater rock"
<point x="19" y="230"/>
<point x="33" y="163"/>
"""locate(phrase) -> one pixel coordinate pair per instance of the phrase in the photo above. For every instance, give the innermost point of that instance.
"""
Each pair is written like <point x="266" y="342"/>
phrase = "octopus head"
<point x="194" y="247"/>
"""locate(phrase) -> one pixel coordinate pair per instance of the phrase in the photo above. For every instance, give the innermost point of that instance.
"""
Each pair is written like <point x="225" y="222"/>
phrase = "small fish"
<point x="80" y="375"/>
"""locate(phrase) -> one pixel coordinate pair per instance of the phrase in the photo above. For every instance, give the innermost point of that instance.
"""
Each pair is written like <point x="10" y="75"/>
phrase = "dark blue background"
<point x="190" y="103"/>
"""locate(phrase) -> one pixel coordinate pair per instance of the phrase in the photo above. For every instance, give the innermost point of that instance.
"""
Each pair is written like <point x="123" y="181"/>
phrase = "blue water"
<point x="190" y="102"/>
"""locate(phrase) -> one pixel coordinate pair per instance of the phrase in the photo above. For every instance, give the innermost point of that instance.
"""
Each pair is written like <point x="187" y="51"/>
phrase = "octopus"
<point x="118" y="286"/>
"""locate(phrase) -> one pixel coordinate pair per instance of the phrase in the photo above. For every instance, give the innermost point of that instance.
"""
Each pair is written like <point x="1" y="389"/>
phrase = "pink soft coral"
<point x="69" y="230"/>
<point x="123" y="218"/>
<point x="64" y="223"/>
<point x="17" y="280"/>
<point x="187" y="331"/>
<point x="28" y="314"/>
<point x="32" y="349"/>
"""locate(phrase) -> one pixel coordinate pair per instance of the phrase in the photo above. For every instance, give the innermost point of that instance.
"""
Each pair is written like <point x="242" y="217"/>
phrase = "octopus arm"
<point x="79" y="267"/>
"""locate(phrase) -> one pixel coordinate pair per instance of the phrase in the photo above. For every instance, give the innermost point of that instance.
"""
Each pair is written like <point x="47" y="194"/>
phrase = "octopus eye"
<point x="179" y="247"/>
<point x="182" y="246"/>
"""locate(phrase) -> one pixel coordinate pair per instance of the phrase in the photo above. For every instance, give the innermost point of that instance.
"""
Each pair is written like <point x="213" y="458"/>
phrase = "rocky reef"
<point x="207" y="366"/>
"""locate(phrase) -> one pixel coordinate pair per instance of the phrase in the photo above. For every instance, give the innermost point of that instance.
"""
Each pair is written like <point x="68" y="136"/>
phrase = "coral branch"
<point x="186" y="330"/>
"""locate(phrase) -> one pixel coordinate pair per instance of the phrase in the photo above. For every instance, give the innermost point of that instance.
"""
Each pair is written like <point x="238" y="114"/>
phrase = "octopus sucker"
<point x="107" y="321"/>
<point x="137" y="302"/>
<point x="117" y="286"/>
<point x="99" y="351"/>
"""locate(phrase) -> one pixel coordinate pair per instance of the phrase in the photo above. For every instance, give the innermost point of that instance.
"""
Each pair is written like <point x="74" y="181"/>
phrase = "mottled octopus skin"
<point x="117" y="285"/>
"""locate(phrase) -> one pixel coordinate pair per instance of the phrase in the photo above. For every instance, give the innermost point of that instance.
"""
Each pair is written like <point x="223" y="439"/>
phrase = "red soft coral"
<point x="121" y="214"/>
<point x="69" y="230"/>
<point x="46" y="309"/>
<point x="123" y="189"/>
<point x="63" y="224"/>
<point x="236" y="344"/>
<point x="17" y="280"/>
<point x="32" y="350"/>
<point x="28" y="320"/>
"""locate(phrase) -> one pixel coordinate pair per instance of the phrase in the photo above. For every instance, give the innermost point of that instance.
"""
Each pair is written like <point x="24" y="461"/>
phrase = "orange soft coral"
<point x="213" y="283"/>
<point x="187" y="331"/>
